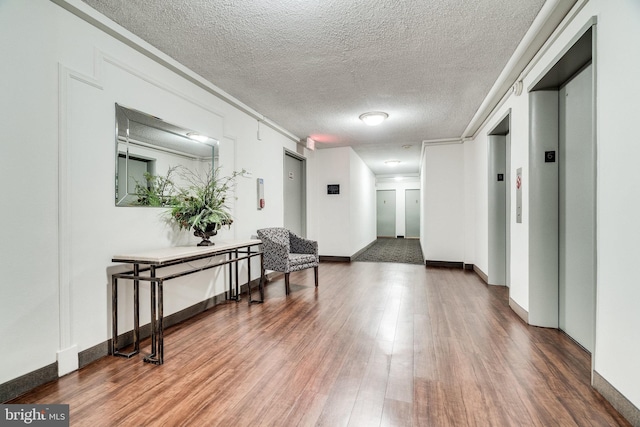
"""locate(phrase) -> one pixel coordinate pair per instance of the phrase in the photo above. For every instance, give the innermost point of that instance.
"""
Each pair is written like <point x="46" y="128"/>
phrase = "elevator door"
<point x="576" y="197"/>
<point x="498" y="210"/>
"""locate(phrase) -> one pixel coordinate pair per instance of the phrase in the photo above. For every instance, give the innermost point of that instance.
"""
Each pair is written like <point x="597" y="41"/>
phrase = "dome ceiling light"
<point x="392" y="162"/>
<point x="374" y="118"/>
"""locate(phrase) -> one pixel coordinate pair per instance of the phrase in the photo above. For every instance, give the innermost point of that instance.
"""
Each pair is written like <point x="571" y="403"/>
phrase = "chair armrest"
<point x="300" y="245"/>
<point x="275" y="255"/>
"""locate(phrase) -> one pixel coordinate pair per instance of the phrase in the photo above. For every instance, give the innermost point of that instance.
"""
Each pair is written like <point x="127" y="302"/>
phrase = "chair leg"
<point x="315" y="273"/>
<point x="286" y="283"/>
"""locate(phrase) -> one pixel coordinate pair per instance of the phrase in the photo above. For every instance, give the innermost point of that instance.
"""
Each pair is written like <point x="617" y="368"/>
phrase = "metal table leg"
<point x="237" y="277"/>
<point x="136" y="311"/>
<point x="156" y="323"/>
<point x="136" y="316"/>
<point x="252" y="301"/>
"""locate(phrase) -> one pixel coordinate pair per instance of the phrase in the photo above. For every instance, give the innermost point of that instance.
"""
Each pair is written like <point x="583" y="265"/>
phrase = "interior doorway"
<point x="562" y="194"/>
<point x="386" y="213"/>
<point x="499" y="146"/>
<point x="295" y="193"/>
<point x="412" y="214"/>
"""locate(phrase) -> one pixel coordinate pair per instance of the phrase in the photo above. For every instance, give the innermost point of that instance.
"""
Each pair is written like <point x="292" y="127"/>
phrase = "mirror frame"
<point x="141" y="132"/>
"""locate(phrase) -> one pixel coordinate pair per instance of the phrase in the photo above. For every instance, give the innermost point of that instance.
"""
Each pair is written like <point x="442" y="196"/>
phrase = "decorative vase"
<point x="210" y="230"/>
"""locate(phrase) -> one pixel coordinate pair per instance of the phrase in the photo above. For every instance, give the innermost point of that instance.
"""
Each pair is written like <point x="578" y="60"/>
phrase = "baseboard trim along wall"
<point x="482" y="274"/>
<point x="330" y="258"/>
<point x="443" y="264"/>
<point x="617" y="400"/>
<point x="21" y="385"/>
<point x="521" y="312"/>
<point x="357" y="254"/>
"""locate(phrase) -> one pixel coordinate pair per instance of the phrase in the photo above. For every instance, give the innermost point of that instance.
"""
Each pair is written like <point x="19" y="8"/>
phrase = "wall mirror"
<point x="148" y="147"/>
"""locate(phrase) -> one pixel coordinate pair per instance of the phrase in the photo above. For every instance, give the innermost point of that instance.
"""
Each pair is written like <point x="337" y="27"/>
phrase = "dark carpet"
<point x="406" y="251"/>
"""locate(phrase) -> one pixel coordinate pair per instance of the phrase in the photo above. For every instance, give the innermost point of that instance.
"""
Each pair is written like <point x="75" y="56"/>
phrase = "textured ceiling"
<point x="313" y="66"/>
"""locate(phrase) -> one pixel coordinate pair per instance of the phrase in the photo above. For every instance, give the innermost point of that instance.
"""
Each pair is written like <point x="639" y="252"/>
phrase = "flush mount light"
<point x="373" y="118"/>
<point x="392" y="162"/>
<point x="198" y="137"/>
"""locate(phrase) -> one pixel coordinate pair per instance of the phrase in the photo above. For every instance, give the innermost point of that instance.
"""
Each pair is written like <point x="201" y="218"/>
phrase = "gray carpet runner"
<point x="405" y="251"/>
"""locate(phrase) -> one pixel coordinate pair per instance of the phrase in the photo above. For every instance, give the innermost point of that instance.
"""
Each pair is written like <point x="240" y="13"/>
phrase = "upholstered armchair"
<point x="286" y="252"/>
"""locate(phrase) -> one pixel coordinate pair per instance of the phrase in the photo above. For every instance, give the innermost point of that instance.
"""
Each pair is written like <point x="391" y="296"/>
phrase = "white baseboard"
<point x="67" y="360"/>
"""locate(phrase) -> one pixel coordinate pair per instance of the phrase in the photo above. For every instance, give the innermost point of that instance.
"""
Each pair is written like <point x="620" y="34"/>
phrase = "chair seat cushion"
<point x="299" y="259"/>
<point x="299" y="262"/>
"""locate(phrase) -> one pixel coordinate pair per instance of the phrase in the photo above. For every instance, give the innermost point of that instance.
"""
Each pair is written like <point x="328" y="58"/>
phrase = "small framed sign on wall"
<point x="333" y="189"/>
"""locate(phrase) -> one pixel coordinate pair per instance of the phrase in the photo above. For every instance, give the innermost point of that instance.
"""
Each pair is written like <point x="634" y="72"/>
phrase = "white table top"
<point x="164" y="255"/>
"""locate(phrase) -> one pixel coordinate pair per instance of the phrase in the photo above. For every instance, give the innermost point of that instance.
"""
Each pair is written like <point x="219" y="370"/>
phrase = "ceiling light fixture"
<point x="374" y="118"/>
<point x="197" y="137"/>
<point x="392" y="162"/>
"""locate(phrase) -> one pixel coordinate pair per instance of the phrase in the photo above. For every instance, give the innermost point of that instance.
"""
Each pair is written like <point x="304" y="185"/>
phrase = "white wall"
<point x="443" y="203"/>
<point x="617" y="66"/>
<point x="618" y="92"/>
<point x="61" y="78"/>
<point x="333" y="209"/>
<point x="346" y="221"/>
<point x="363" y="203"/>
<point x="401" y="187"/>
<point x="29" y="248"/>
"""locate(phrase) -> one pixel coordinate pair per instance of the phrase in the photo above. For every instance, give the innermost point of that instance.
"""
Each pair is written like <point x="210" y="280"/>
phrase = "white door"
<point x="412" y="213"/>
<point x="294" y="194"/>
<point x="386" y="213"/>
<point x="576" y="197"/>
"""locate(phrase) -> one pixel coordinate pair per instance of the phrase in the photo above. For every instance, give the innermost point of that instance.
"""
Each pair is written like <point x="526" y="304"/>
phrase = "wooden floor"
<point x="376" y="344"/>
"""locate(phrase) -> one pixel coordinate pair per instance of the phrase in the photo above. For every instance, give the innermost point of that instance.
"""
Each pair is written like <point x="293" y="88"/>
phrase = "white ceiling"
<point x="313" y="66"/>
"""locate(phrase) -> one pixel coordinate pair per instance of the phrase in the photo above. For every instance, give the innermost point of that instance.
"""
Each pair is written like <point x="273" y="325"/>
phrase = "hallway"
<point x="385" y="249"/>
<point x="375" y="344"/>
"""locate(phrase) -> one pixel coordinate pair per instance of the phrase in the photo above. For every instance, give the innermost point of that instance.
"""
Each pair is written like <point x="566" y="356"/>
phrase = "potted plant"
<point x="201" y="205"/>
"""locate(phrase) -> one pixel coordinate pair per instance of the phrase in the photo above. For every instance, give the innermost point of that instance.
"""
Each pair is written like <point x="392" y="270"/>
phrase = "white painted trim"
<point x="64" y="212"/>
<point x="552" y="13"/>
<point x="103" y="57"/>
<point x="68" y="353"/>
<point x="68" y="360"/>
<point x="92" y="17"/>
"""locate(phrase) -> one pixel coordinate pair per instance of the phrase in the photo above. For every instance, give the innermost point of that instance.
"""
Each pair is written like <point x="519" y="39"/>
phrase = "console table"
<point x="150" y="262"/>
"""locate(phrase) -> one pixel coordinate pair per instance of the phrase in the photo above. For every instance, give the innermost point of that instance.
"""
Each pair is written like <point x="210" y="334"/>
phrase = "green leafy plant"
<point x="201" y="205"/>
